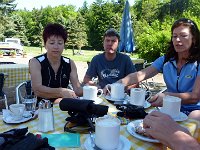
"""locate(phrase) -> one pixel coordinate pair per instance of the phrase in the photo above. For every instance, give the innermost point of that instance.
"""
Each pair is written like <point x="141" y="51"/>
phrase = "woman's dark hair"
<point x="54" y="29"/>
<point x="194" y="51"/>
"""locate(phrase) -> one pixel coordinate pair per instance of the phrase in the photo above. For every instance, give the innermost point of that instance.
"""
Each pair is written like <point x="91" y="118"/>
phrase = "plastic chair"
<point x="22" y="90"/>
<point x="25" y="89"/>
<point x="140" y="66"/>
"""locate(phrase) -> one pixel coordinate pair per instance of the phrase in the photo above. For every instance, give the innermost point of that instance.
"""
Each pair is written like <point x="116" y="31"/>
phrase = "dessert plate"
<point x="9" y="118"/>
<point x="131" y="129"/>
<point x="97" y="101"/>
<point x="124" y="144"/>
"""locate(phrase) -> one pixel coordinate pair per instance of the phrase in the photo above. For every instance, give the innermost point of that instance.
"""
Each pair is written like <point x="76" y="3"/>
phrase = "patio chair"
<point x="140" y="66"/>
<point x="22" y="90"/>
<point x="25" y="89"/>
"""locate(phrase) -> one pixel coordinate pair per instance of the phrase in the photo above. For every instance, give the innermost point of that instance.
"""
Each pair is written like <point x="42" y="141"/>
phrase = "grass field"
<point x="86" y="55"/>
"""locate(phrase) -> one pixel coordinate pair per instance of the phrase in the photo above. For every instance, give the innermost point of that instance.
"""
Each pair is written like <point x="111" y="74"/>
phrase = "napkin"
<point x="63" y="140"/>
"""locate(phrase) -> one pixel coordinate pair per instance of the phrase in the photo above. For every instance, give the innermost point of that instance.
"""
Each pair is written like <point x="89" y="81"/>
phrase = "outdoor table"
<point x="60" y="117"/>
<point x="16" y="73"/>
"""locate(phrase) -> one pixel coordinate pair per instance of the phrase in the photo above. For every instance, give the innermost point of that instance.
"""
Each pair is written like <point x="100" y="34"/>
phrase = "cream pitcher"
<point x="45" y="116"/>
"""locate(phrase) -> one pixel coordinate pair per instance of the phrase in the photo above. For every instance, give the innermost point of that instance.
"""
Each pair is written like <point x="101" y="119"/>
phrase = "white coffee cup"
<point x="116" y="90"/>
<point x="137" y="96"/>
<point x="90" y="92"/>
<point x="107" y="132"/>
<point x="17" y="111"/>
<point x="171" y="106"/>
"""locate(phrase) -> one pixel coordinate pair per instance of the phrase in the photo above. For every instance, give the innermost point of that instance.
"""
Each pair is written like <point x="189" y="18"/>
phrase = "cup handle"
<point x="108" y="87"/>
<point x="100" y="91"/>
<point x="150" y="94"/>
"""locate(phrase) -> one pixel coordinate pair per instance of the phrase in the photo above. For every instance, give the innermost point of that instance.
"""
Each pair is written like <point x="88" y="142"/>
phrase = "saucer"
<point x="181" y="117"/>
<point x="108" y="97"/>
<point x="8" y="117"/>
<point x="123" y="145"/>
<point x="131" y="129"/>
<point x="97" y="101"/>
<point x="147" y="104"/>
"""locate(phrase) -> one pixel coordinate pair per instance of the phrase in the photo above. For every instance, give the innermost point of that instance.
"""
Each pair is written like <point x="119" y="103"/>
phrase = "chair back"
<point x="22" y="90"/>
<point x="139" y="66"/>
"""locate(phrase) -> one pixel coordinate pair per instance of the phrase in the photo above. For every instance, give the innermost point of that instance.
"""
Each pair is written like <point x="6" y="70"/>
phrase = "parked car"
<point x="11" y="44"/>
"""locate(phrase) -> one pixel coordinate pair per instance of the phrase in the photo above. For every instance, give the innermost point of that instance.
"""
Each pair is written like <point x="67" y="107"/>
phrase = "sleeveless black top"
<point x="49" y="77"/>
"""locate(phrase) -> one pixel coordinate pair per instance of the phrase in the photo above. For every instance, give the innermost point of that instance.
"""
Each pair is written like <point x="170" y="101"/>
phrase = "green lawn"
<point x="86" y="55"/>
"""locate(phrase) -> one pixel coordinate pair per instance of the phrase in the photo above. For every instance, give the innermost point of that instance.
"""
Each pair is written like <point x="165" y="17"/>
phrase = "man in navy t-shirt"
<point x="109" y="66"/>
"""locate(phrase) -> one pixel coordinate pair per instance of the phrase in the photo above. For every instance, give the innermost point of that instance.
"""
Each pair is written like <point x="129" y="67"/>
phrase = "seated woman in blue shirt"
<point x="180" y="67"/>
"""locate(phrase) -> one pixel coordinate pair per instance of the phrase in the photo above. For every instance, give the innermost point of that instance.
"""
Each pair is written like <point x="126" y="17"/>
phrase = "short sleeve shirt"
<point x="109" y="72"/>
<point x="179" y="82"/>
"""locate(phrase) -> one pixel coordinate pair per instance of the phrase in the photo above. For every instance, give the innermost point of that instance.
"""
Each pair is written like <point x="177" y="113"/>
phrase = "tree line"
<point x="152" y="21"/>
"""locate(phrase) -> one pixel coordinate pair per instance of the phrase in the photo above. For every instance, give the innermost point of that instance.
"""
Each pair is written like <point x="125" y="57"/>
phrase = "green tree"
<point x="19" y="28"/>
<point x="6" y="7"/>
<point x="81" y="33"/>
<point x="99" y="19"/>
<point x="72" y="34"/>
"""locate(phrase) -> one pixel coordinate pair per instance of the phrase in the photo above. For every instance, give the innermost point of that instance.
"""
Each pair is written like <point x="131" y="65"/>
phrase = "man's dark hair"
<point x="54" y="29"/>
<point x="111" y="32"/>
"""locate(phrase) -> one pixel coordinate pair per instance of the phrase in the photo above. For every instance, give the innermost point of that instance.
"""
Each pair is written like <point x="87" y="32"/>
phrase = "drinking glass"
<point x="3" y="105"/>
<point x="30" y="102"/>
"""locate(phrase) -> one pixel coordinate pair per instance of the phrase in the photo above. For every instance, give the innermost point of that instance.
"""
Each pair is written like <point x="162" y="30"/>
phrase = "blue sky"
<point x="30" y="4"/>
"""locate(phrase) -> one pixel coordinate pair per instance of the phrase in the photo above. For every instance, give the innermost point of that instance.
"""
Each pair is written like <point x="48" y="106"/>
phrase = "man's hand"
<point x="157" y="100"/>
<point x="162" y="127"/>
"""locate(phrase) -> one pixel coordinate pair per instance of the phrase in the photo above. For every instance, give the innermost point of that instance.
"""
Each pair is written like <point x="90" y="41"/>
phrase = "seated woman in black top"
<point x="51" y="72"/>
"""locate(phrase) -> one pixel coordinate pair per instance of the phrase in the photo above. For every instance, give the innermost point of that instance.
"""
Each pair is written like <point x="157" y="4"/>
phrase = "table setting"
<point x="108" y="129"/>
<point x="92" y="93"/>
<point x="137" y="96"/>
<point x="20" y="113"/>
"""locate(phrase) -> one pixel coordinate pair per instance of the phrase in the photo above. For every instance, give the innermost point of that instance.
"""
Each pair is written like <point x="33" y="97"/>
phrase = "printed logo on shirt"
<point x="110" y="73"/>
<point x="64" y="76"/>
<point x="188" y="76"/>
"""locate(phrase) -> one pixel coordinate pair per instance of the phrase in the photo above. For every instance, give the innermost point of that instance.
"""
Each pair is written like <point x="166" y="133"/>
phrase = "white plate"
<point x="8" y="117"/>
<point x="131" y="129"/>
<point x="181" y="117"/>
<point x="124" y="144"/>
<point x="147" y="104"/>
<point x="97" y="101"/>
<point x="108" y="97"/>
